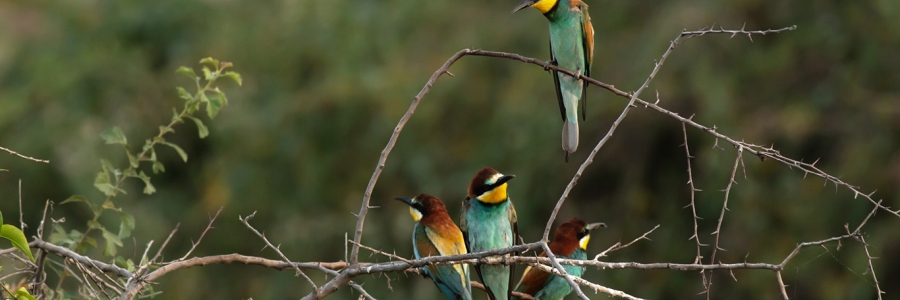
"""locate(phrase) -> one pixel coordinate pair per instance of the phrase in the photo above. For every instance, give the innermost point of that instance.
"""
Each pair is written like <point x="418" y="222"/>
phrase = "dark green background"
<point x="326" y="81"/>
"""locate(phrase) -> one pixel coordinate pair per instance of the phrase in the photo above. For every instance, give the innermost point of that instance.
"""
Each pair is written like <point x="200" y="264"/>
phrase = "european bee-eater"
<point x="489" y="222"/>
<point x="570" y="241"/>
<point x="572" y="48"/>
<point x="435" y="234"/>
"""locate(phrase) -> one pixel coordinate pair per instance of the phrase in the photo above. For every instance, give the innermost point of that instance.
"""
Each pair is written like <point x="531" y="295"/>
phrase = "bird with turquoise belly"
<point x="489" y="222"/>
<point x="570" y="241"/>
<point x="571" y="48"/>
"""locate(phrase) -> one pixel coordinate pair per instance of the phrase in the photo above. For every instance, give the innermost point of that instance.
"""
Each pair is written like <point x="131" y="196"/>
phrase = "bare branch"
<point x="619" y="246"/>
<point x="871" y="268"/>
<point x="194" y="245"/>
<point x="562" y="272"/>
<point x="246" y="222"/>
<point x="166" y="242"/>
<point x="25" y="157"/>
<point x="731" y="181"/>
<point x="367" y="196"/>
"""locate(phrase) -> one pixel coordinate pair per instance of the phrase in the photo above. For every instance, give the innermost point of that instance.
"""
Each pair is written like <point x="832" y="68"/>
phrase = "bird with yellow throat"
<point x="489" y="222"/>
<point x="435" y="234"/>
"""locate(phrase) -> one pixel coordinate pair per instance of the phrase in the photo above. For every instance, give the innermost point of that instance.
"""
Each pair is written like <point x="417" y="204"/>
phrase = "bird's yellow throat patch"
<point x="496" y="195"/>
<point x="544" y="5"/>
<point x="415" y="214"/>
<point x="584" y="241"/>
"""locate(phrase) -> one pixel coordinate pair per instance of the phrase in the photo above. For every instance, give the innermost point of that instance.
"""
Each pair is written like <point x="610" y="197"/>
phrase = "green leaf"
<point x="22" y="294"/>
<point x="216" y="102"/>
<point x="112" y="240"/>
<point x="132" y="160"/>
<point x="17" y="238"/>
<point x="1" y="218"/>
<point x="187" y="72"/>
<point x="114" y="135"/>
<point x="158" y="167"/>
<point x="148" y="188"/>
<point x="126" y="226"/>
<point x="78" y="198"/>
<point x="176" y="118"/>
<point x="180" y="151"/>
<point x="94" y="224"/>
<point x="224" y="100"/>
<point x="102" y="183"/>
<point x="60" y="237"/>
<point x="234" y="76"/>
<point x="200" y="127"/>
<point x="207" y="74"/>
<point x="211" y="61"/>
<point x="106" y="165"/>
<point x="183" y="94"/>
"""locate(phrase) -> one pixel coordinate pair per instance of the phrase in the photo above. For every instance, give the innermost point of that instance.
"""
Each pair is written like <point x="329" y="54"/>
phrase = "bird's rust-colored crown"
<point x="567" y="236"/>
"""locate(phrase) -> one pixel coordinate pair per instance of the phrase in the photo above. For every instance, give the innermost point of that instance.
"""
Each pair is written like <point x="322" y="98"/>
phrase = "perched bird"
<point x="435" y="234"/>
<point x="572" y="48"/>
<point x="489" y="222"/>
<point x="570" y="241"/>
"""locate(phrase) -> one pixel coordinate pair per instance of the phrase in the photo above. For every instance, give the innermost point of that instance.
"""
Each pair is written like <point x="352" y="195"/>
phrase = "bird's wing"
<point x="450" y="243"/>
<point x="464" y="228"/>
<point x="514" y="222"/>
<point x="532" y="280"/>
<point x="559" y="98"/>
<point x="587" y="43"/>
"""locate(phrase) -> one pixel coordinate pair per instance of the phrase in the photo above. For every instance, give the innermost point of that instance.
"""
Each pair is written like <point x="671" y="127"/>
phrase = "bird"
<point x="435" y="234"/>
<point x="489" y="222"/>
<point x="571" y="48"/>
<point x="570" y="241"/>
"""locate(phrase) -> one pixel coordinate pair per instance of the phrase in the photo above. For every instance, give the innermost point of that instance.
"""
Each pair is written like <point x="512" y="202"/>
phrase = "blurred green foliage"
<point x="324" y="83"/>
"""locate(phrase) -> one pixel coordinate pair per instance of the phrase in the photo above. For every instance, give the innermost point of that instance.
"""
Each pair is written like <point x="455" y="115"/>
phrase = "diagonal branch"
<point x="25" y="156"/>
<point x="367" y="196"/>
<point x="731" y="182"/>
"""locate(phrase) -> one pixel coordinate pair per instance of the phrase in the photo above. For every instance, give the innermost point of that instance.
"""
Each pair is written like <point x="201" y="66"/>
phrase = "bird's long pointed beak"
<point x="524" y="4"/>
<point x="408" y="201"/>
<point x="593" y="226"/>
<point x="504" y="179"/>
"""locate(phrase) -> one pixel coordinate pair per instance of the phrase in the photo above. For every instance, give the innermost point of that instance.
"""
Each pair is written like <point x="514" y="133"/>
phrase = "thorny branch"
<point x="717" y="233"/>
<point x="345" y="271"/>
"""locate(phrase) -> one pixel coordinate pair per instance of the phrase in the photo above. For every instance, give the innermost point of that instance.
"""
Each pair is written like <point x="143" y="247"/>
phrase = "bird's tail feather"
<point x="570" y="135"/>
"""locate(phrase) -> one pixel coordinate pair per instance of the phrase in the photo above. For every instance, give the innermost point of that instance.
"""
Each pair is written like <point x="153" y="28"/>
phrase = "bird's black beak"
<point x="408" y="201"/>
<point x="593" y="226"/>
<point x="504" y="179"/>
<point x="524" y="4"/>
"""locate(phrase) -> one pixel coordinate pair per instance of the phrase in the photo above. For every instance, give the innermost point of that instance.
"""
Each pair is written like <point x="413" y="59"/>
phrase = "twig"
<point x="25" y="157"/>
<point x="596" y="287"/>
<point x="619" y="246"/>
<point x="871" y="268"/>
<point x="367" y="196"/>
<point x="165" y="243"/>
<point x="781" y="286"/>
<point x="731" y="182"/>
<point x="21" y="220"/>
<point x="633" y="97"/>
<point x="246" y="222"/>
<point x="194" y="244"/>
<point x="562" y="272"/>
<point x="380" y="252"/>
<point x="693" y="205"/>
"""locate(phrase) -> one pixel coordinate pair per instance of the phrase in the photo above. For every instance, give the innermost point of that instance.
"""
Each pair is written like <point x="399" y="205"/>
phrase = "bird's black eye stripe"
<point x="418" y="206"/>
<point x="583" y="233"/>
